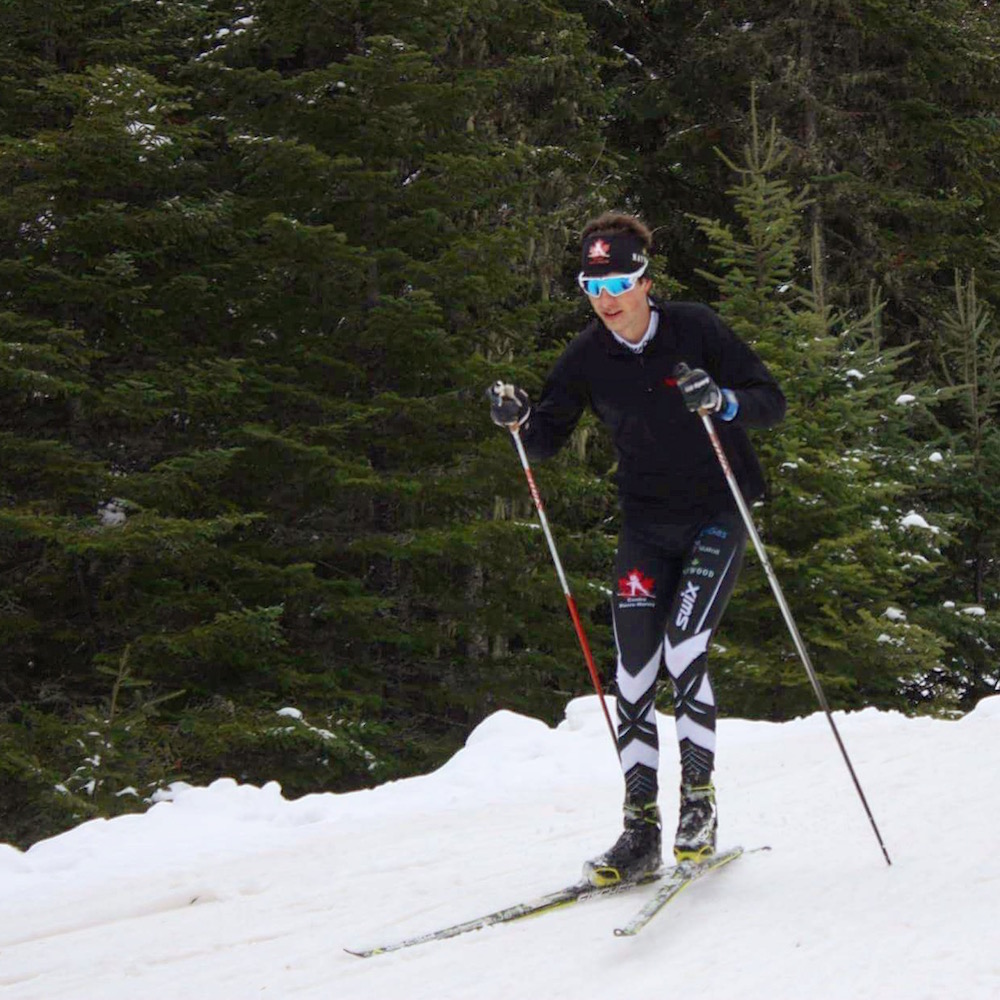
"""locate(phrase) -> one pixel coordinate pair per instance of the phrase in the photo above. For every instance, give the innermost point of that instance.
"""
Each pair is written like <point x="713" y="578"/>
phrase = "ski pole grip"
<point x="681" y="369"/>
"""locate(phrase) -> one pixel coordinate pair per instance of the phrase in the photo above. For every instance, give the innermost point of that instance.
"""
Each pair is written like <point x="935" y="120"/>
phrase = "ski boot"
<point x="696" y="828"/>
<point x="635" y="856"/>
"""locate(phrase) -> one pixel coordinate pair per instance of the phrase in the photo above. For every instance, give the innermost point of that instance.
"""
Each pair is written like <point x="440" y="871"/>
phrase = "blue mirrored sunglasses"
<point x="615" y="285"/>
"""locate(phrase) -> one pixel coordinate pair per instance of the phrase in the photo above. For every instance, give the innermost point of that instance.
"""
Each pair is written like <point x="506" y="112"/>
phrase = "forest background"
<point x="259" y="261"/>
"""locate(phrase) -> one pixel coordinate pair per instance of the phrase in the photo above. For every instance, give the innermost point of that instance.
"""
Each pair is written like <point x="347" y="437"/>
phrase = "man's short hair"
<point x="609" y="223"/>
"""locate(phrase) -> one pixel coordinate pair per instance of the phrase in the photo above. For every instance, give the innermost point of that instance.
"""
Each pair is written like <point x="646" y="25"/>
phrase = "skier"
<point x="682" y="539"/>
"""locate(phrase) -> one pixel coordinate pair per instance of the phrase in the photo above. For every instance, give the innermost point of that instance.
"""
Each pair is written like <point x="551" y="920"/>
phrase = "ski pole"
<point x="786" y="612"/>
<point x="571" y="603"/>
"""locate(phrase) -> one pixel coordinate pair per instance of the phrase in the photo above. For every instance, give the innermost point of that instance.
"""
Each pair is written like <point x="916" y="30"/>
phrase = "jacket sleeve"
<point x="560" y="406"/>
<point x="734" y="365"/>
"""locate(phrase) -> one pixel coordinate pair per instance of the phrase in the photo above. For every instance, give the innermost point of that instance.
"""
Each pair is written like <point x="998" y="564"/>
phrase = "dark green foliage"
<point x="964" y="435"/>
<point x="258" y="261"/>
<point x="892" y="112"/>
<point x="258" y="266"/>
<point x="835" y="520"/>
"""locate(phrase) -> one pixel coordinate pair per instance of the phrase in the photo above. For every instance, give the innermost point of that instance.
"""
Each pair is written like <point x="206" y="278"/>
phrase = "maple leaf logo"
<point x="599" y="252"/>
<point x="636" y="584"/>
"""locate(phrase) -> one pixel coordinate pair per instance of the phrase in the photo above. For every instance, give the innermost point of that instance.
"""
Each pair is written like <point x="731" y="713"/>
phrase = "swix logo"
<point x="688" y="598"/>
<point x="599" y="252"/>
<point x="636" y="586"/>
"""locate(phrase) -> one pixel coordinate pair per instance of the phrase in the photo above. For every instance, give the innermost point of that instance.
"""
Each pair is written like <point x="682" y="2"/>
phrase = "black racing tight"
<point x="672" y="584"/>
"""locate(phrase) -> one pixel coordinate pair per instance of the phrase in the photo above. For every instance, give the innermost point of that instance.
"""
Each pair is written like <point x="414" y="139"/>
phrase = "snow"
<point x="915" y="520"/>
<point x="146" y="135"/>
<point x="635" y="60"/>
<point x="233" y="892"/>
<point x="112" y="514"/>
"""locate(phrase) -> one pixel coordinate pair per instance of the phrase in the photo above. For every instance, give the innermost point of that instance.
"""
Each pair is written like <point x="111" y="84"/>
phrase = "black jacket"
<point x="666" y="465"/>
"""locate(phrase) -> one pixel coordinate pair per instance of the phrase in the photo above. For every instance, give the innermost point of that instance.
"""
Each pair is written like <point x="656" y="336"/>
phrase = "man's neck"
<point x="638" y="339"/>
<point x="637" y="330"/>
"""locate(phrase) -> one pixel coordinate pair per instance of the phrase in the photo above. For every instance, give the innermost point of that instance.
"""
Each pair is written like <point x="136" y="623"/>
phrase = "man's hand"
<point x="701" y="394"/>
<point x="509" y="405"/>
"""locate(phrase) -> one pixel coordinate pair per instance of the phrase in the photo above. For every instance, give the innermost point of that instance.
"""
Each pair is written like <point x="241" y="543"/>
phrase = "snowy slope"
<point x="232" y="892"/>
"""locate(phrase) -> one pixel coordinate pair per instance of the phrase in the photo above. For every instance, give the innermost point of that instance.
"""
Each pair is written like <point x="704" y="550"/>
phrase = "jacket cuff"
<point x="731" y="405"/>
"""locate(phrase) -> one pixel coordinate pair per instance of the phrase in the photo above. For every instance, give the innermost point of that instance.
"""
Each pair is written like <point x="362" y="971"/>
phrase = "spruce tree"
<point x="462" y="196"/>
<point x="261" y="265"/>
<point x="963" y="448"/>
<point x="890" y="111"/>
<point x="834" y="523"/>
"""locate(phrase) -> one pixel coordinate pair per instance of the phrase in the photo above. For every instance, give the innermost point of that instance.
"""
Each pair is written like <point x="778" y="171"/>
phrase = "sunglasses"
<point x="616" y="285"/>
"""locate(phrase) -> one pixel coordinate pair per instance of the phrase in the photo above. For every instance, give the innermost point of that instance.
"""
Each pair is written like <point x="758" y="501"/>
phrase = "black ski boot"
<point x="698" y="822"/>
<point x="635" y="855"/>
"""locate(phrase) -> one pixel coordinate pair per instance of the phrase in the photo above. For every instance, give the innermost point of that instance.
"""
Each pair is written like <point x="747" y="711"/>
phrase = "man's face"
<point x="627" y="314"/>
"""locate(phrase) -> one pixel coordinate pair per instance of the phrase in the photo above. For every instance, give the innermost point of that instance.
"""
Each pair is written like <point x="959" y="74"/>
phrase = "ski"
<point x="577" y="893"/>
<point x="673" y="883"/>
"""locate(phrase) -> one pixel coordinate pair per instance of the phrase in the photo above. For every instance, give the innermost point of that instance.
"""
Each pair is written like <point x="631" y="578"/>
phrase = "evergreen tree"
<point x="258" y="260"/>
<point x="891" y="115"/>
<point x="461" y="195"/>
<point x="835" y="521"/>
<point x="964" y="444"/>
<point x="262" y="273"/>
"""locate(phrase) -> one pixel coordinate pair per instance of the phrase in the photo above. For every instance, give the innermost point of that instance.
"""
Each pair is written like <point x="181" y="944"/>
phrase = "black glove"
<point x="701" y="394"/>
<point x="508" y="404"/>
